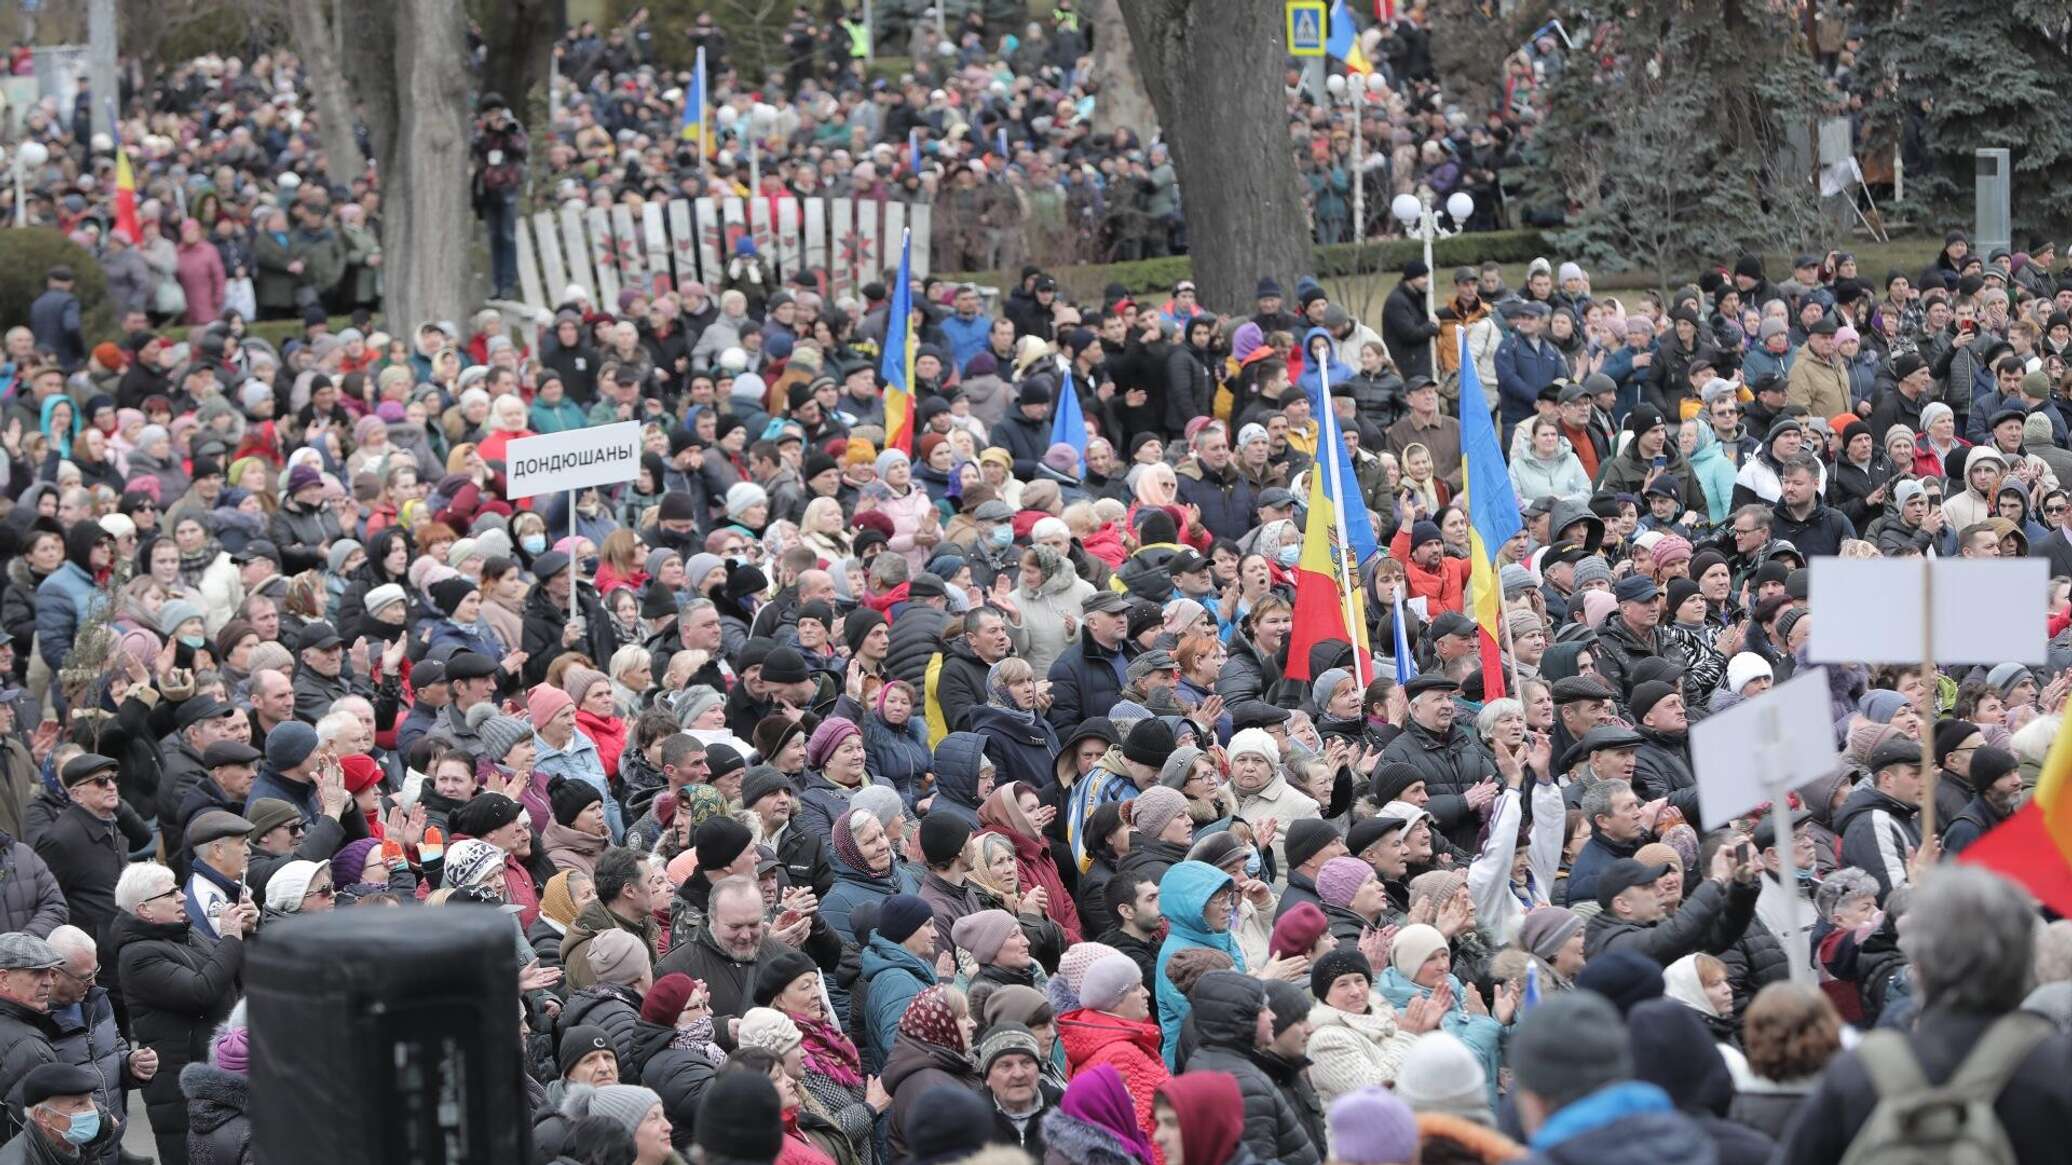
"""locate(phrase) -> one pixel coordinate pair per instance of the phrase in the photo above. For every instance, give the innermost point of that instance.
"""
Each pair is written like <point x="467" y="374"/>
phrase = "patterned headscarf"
<point x="701" y="803"/>
<point x="852" y="854"/>
<point x="931" y="1020"/>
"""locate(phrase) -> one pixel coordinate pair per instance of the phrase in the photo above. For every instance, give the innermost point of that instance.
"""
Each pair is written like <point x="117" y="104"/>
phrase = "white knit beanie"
<point x="1440" y="1074"/>
<point x="1108" y="981"/>
<point x="1744" y="667"/>
<point x="1255" y="742"/>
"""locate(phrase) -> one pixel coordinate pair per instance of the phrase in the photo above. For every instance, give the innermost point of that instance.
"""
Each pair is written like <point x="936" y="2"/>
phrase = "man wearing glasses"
<point x="28" y="971"/>
<point x="85" y="846"/>
<point x="87" y="1033"/>
<point x="1723" y="413"/>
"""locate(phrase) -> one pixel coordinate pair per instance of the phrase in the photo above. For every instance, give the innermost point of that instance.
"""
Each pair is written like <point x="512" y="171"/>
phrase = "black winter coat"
<point x="960" y="684"/>
<point x="1246" y="674"/>
<point x="1086" y="680"/>
<point x="86" y="855"/>
<point x="30" y="898"/>
<point x="544" y="620"/>
<point x="27" y="1038"/>
<point x="1225" y="499"/>
<point x="1450" y="765"/>
<point x="914" y="639"/>
<point x="95" y="1042"/>
<point x="1019" y="750"/>
<point x="1662" y="768"/>
<point x="178" y="988"/>
<point x="1226" y="1013"/>
<point x="1753" y="962"/>
<point x="677" y="1075"/>
<point x="219" y="1121"/>
<point x="611" y="1007"/>
<point x="1407" y="329"/>
<point x="912" y="1070"/>
<point x="731" y="980"/>
<point x="1711" y="919"/>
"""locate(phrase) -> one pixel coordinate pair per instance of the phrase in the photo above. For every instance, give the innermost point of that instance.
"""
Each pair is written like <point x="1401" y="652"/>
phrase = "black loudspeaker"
<point x="389" y="1036"/>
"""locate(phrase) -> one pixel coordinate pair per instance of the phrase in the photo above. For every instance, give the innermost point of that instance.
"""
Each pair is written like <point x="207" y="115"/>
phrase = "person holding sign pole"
<point x="548" y="629"/>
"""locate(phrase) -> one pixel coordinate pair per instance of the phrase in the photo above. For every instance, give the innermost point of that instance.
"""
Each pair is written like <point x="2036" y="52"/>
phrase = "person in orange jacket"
<point x="1427" y="569"/>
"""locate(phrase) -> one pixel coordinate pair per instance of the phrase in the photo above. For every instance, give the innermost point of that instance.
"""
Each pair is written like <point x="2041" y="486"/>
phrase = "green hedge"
<point x="27" y="253"/>
<point x="1149" y="275"/>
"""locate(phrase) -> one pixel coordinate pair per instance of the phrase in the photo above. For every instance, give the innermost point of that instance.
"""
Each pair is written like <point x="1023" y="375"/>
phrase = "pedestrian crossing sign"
<point x="1305" y="28"/>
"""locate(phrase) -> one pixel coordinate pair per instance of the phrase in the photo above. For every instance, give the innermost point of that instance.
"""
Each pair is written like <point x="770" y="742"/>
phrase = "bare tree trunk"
<point x="1123" y="103"/>
<point x="310" y="24"/>
<point x="408" y="47"/>
<point x="1214" y="74"/>
<point x="519" y="35"/>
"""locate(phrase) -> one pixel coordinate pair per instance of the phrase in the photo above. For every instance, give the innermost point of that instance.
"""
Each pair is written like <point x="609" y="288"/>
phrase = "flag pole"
<point x="1327" y="444"/>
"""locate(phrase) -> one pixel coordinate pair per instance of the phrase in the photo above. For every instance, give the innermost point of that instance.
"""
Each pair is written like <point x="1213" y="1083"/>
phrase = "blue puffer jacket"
<point x="65" y="600"/>
<point x="1483" y="1035"/>
<point x="854" y="887"/>
<point x="956" y="776"/>
<point x="897" y="756"/>
<point x="892" y="976"/>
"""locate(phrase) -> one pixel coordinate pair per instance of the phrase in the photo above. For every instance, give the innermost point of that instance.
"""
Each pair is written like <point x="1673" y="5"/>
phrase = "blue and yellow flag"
<point x="1342" y="40"/>
<point x="1492" y="507"/>
<point x="692" y="127"/>
<point x="1068" y="423"/>
<point x="897" y="365"/>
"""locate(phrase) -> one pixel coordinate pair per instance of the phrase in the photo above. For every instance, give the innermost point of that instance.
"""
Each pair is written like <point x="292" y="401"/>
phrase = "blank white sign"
<point x="1987" y="610"/>
<point x="1755" y="750"/>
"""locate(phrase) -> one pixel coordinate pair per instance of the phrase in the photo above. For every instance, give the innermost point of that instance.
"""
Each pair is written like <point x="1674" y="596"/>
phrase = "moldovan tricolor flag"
<point x="1492" y="507"/>
<point x="897" y="365"/>
<point x="1328" y="600"/>
<point x="2034" y="847"/>
<point x="1343" y="40"/>
<point x="125" y="194"/>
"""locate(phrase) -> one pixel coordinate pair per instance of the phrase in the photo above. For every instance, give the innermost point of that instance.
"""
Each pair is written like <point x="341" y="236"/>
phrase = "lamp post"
<point x="1356" y="91"/>
<point x="1420" y="220"/>
<point x="30" y="155"/>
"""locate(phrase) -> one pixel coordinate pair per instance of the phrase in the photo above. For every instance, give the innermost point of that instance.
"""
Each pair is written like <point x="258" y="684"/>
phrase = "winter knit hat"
<point x="1546" y="929"/>
<point x="544" y="702"/>
<point x="667" y="998"/>
<point x="569" y="797"/>
<point x="1341" y="878"/>
<point x="1372" y="1126"/>
<point x="1079" y="959"/>
<point x="1255" y="742"/>
<point x="1155" y="808"/>
<point x="1440" y="1074"/>
<point x="501" y="734"/>
<point x="1438" y="885"/>
<point x="580" y="1041"/>
<point x="1178" y="767"/>
<point x="766" y="1027"/>
<point x="984" y="933"/>
<point x="1414" y="944"/>
<point x="1745" y="668"/>
<point x="468" y="861"/>
<point x="617" y="958"/>
<point x="233" y="1050"/>
<point x="1295" y="933"/>
<point x="1326" y="686"/>
<point x="1589" y="570"/>
<point x="285" y="890"/>
<point x="1108" y="980"/>
<point x="577" y="682"/>
<point x="827" y="737"/>
<point x="623" y="1104"/>
<point x="1335" y="963"/>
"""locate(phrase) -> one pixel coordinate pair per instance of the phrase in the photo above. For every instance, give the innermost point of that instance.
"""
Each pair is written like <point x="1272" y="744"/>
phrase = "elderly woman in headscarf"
<point x="1018" y="739"/>
<point x="996" y="882"/>
<point x="1049" y="594"/>
<point x="1014" y="811"/>
<point x="895" y="741"/>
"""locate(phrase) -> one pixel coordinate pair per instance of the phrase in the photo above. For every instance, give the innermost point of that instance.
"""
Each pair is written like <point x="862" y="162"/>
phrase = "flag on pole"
<point x="2034" y="847"/>
<point x="914" y="151"/>
<point x="1492" y="507"/>
<point x="1385" y="11"/>
<point x="1068" y="423"/>
<point x="1337" y="470"/>
<point x="1328" y="600"/>
<point x="1406" y="666"/>
<point x="897" y="364"/>
<point x="1342" y="40"/>
<point x="125" y="192"/>
<point x="692" y="127"/>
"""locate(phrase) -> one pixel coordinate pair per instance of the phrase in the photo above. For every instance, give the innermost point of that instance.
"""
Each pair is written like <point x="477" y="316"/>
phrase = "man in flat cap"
<point x="217" y="840"/>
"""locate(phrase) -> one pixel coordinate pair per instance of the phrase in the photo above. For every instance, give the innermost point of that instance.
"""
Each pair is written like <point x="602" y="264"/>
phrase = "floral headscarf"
<point x="931" y="1020"/>
<point x="852" y="854"/>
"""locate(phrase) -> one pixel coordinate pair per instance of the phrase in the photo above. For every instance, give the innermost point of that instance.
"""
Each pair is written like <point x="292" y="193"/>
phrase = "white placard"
<point x="712" y="248"/>
<point x="816" y="240"/>
<point x="657" y="237"/>
<point x="1755" y="750"/>
<point x="918" y="218"/>
<point x="631" y="262"/>
<point x="549" y="250"/>
<point x="683" y="240"/>
<point x="604" y="257"/>
<point x="575" y="252"/>
<point x="1987" y="610"/>
<point x="788" y="242"/>
<point x="577" y="459"/>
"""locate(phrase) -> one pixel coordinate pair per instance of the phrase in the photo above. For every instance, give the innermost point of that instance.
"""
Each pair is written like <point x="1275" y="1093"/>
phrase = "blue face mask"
<point x="1002" y="535"/>
<point x="1288" y="555"/>
<point x="590" y="566"/>
<point x="85" y="1127"/>
<point x="194" y="641"/>
<point x="1252" y="865"/>
<point x="533" y="543"/>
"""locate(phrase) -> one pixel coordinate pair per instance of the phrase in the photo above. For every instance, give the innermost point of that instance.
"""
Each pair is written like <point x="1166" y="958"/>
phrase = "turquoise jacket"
<point x="1183" y="895"/>
<point x="1715" y="473"/>
<point x="1483" y="1035"/>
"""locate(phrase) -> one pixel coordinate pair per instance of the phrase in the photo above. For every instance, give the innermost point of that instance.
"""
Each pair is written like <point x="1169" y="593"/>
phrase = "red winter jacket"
<point x="1131" y="1046"/>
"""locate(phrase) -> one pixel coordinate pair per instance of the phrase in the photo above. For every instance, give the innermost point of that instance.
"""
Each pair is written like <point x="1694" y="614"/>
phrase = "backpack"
<point x="1917" y="1123"/>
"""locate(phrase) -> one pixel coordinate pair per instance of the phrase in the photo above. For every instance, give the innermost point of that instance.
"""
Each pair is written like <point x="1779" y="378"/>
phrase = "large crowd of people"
<point x="862" y="801"/>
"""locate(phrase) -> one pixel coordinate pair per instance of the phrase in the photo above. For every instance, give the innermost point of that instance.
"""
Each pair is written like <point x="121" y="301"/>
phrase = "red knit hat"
<point x="1298" y="931"/>
<point x="360" y="772"/>
<point x="666" y="999"/>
